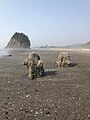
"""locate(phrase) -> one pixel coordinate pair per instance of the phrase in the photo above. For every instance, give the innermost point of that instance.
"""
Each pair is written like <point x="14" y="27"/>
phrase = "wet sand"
<point x="62" y="94"/>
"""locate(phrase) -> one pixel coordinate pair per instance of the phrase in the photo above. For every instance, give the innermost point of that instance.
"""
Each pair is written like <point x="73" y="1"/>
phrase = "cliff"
<point x="19" y="40"/>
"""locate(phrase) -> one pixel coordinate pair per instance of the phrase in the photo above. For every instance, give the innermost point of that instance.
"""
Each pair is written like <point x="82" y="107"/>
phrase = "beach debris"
<point x="46" y="111"/>
<point x="79" y="98"/>
<point x="53" y="83"/>
<point x="8" y="82"/>
<point x="15" y="119"/>
<point x="36" y="112"/>
<point x="63" y="60"/>
<point x="27" y="95"/>
<point x="9" y="55"/>
<point x="31" y="110"/>
<point x="34" y="65"/>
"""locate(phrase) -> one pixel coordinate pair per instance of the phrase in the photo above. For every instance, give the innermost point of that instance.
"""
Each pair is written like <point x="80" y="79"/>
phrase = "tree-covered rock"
<point x="19" y="40"/>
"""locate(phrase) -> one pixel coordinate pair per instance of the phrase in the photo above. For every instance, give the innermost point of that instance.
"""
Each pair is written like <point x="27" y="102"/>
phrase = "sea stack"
<point x="19" y="40"/>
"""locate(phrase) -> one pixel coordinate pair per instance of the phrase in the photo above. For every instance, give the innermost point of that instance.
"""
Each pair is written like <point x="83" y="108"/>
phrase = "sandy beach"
<point x="62" y="94"/>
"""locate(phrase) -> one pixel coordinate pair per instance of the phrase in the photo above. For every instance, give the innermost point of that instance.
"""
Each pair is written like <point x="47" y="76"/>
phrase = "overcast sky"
<point x="46" y="22"/>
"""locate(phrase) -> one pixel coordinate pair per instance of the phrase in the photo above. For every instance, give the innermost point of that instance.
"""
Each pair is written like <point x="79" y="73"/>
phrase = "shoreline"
<point x="6" y="52"/>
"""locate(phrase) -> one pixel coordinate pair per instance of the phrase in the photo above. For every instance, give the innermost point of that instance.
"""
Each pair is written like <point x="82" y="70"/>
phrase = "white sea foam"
<point x="3" y="52"/>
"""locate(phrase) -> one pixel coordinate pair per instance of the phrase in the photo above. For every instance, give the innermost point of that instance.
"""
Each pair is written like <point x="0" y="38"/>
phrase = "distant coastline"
<point x="5" y="52"/>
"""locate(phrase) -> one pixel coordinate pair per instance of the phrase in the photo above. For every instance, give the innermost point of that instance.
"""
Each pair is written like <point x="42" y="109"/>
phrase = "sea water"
<point x="3" y="52"/>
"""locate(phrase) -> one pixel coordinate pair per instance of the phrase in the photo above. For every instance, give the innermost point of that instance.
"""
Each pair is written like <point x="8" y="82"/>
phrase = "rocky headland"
<point x="19" y="40"/>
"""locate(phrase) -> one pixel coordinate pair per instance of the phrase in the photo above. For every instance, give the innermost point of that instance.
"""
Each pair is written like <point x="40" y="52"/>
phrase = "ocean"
<point x="6" y="52"/>
<point x="3" y="52"/>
